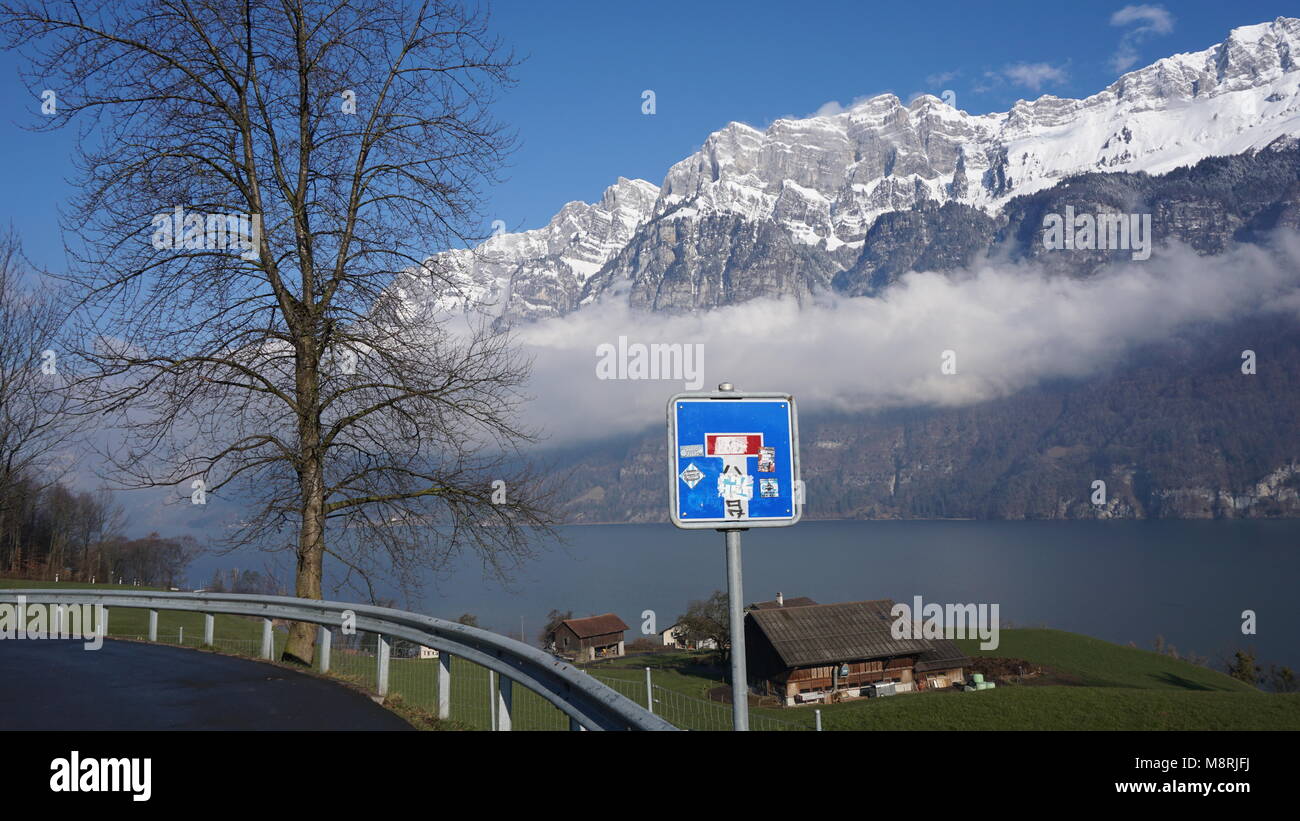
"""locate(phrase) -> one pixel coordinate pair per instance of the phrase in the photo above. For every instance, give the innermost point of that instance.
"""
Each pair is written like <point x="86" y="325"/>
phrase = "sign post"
<point x="734" y="464"/>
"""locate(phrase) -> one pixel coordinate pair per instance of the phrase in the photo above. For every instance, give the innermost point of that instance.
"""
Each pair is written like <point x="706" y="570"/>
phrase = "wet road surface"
<point x="58" y="685"/>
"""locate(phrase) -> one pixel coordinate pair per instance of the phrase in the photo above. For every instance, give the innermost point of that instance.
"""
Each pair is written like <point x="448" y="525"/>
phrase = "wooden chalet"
<point x="831" y="652"/>
<point x="588" y="639"/>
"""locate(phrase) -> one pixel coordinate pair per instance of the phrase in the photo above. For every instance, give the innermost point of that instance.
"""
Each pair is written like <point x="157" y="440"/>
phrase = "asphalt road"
<point x="58" y="685"/>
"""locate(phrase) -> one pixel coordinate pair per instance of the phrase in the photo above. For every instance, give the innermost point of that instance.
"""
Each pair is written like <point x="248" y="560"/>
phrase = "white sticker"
<point x="734" y="486"/>
<point x="691" y="476"/>
<point x="692" y="450"/>
<point x="768" y="488"/>
<point x="731" y="446"/>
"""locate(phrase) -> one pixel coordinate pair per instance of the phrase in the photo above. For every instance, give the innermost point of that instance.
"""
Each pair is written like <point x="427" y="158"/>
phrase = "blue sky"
<point x="577" y="105"/>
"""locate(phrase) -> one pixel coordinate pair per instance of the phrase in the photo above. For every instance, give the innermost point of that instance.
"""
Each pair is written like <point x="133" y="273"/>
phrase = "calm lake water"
<point x="1121" y="581"/>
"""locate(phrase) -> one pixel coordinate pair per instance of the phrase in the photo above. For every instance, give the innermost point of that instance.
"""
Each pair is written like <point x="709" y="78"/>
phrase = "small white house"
<point x="674" y="637"/>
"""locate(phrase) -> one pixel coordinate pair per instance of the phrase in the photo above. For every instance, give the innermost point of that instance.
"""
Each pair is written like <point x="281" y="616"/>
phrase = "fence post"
<point x="381" y="660"/>
<point x="56" y="619"/>
<point x="103" y="621"/>
<point x="492" y="699"/>
<point x="324" y="637"/>
<point x="267" y="644"/>
<point x="153" y="625"/>
<point x="649" y="692"/>
<point x="180" y="635"/>
<point x="209" y="627"/>
<point x="819" y="720"/>
<point x="444" y="684"/>
<point x="505" y="698"/>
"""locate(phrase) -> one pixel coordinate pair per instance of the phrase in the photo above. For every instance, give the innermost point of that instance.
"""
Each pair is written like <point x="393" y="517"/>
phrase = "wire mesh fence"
<point x="689" y="713"/>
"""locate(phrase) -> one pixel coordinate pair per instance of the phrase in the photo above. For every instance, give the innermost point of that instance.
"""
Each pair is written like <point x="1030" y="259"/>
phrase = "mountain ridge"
<point x="787" y="209"/>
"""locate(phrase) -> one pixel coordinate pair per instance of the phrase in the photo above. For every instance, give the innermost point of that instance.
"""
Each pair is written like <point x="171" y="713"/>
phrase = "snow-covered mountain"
<point x="540" y="272"/>
<point x="789" y="209"/>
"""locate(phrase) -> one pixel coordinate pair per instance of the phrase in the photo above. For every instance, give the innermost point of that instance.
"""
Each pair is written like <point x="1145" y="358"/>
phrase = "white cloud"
<point x="1152" y="19"/>
<point x="829" y="109"/>
<point x="1034" y="75"/>
<point x="1010" y="326"/>
<point x="941" y="79"/>
<point x="1149" y="20"/>
<point x="833" y="107"/>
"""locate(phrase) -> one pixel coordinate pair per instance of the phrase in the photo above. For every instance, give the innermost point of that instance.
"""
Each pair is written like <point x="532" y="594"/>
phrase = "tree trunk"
<point x="301" y="646"/>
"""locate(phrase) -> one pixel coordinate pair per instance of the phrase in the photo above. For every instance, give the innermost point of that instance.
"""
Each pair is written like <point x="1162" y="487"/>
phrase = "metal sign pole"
<point x="733" y="464"/>
<point x="735" y="603"/>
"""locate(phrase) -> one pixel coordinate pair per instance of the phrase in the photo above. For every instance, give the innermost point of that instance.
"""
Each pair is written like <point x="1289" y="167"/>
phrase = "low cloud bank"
<point x="1007" y="327"/>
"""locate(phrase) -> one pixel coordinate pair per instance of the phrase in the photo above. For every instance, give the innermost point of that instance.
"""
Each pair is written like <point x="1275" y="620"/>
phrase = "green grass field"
<point x="1093" y="685"/>
<point x="1113" y="688"/>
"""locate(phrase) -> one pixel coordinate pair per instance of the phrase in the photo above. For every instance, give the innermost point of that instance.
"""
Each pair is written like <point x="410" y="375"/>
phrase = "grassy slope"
<point x="1102" y="664"/>
<point x="1121" y="688"/>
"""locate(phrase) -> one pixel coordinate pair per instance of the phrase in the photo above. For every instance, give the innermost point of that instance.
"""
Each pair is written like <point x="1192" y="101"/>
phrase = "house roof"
<point x="942" y="655"/>
<point x="830" y="633"/>
<point x="595" y="625"/>
<point x="795" y="601"/>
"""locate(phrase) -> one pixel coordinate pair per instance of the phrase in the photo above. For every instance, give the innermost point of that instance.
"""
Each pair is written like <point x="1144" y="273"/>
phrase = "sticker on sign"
<point x="744" y="434"/>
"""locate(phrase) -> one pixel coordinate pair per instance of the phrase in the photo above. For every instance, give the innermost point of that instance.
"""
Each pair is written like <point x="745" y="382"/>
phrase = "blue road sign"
<point x="734" y="460"/>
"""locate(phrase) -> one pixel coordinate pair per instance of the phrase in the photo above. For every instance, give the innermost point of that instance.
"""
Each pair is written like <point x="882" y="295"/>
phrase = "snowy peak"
<point x="540" y="272"/>
<point x="815" y="186"/>
<point x="881" y="155"/>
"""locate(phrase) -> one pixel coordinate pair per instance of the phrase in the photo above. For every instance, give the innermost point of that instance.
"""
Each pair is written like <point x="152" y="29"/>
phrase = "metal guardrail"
<point x="589" y="704"/>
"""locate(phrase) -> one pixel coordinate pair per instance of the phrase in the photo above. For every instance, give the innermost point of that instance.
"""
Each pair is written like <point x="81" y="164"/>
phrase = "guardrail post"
<point x="324" y="637"/>
<point x="267" y="644"/>
<point x="209" y="627"/>
<point x="444" y="684"/>
<point x="505" y="697"/>
<point x="180" y="635"/>
<point x="153" y="625"/>
<point x="649" y="692"/>
<point x="819" y="720"/>
<point x="381" y="673"/>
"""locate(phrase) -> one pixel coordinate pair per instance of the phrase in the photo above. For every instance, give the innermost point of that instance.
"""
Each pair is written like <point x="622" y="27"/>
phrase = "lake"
<point x="1117" y="580"/>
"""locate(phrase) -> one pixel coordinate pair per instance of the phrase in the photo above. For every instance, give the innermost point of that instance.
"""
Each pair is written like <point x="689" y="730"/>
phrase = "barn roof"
<point x="829" y="633"/>
<point x="795" y="601"/>
<point x="596" y="625"/>
<point x="942" y="655"/>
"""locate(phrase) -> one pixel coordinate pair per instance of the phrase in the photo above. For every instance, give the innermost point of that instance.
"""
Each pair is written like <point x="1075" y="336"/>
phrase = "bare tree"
<point x="553" y="620"/>
<point x="267" y="182"/>
<point x="708" y="620"/>
<point x="34" y="395"/>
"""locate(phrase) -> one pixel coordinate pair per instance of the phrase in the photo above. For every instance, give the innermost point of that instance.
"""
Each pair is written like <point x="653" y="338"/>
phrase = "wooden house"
<point x="675" y="636"/>
<point x="782" y="601"/>
<point x="588" y="639"/>
<point x="831" y="652"/>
